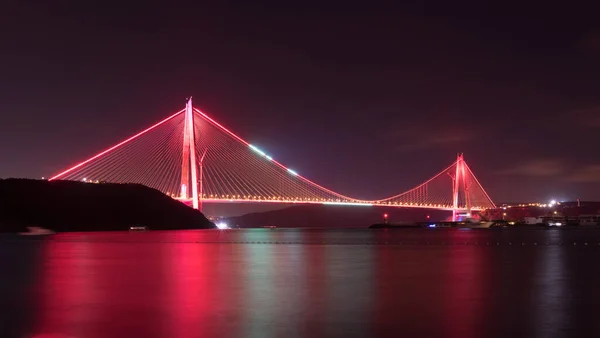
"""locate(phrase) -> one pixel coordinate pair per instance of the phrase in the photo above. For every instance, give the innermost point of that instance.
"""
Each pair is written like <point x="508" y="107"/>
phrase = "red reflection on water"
<point x="143" y="289"/>
<point x="204" y="297"/>
<point x="316" y="290"/>
<point x="407" y="286"/>
<point x="464" y="285"/>
<point x="65" y="282"/>
<point x="191" y="280"/>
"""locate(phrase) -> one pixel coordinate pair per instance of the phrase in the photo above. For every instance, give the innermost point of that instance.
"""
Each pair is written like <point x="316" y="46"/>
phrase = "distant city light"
<point x="552" y="202"/>
<point x="292" y="172"/>
<point x="85" y="179"/>
<point x="432" y="225"/>
<point x="222" y="225"/>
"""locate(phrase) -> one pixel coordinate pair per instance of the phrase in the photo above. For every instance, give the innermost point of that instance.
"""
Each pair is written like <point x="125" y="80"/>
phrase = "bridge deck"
<point x="363" y="204"/>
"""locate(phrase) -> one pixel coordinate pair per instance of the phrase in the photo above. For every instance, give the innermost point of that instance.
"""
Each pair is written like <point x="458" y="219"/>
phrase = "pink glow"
<point x="412" y="206"/>
<point x="349" y="199"/>
<point x="220" y="126"/>
<point x="417" y="187"/>
<point x="274" y="161"/>
<point x="417" y="195"/>
<point x="114" y="147"/>
<point x="482" y="189"/>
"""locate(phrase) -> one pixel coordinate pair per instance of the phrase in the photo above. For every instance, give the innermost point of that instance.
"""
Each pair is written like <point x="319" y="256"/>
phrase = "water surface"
<point x="302" y="283"/>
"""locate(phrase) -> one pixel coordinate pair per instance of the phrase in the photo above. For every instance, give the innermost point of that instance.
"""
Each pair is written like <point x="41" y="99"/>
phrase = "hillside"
<point x="78" y="206"/>
<point x="335" y="216"/>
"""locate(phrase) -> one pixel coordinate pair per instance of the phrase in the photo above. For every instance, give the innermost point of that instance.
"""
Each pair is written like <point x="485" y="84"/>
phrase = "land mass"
<point x="79" y="206"/>
<point x="333" y="216"/>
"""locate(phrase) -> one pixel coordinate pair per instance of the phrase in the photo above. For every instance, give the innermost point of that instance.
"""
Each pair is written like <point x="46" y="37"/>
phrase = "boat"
<point x="475" y="224"/>
<point x="36" y="231"/>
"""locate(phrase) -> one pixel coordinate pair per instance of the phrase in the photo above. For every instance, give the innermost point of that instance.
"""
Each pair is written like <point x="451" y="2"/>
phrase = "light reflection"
<point x="355" y="290"/>
<point x="464" y="288"/>
<point x="261" y="313"/>
<point x="552" y="294"/>
<point x="174" y="284"/>
<point x="67" y="279"/>
<point x="99" y="289"/>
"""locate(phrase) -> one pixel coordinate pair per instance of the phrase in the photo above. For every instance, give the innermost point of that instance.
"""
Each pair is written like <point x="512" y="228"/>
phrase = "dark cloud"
<point x="585" y="174"/>
<point x="591" y="42"/>
<point x="555" y="168"/>
<point x="536" y="167"/>
<point x="587" y="117"/>
<point x="419" y="136"/>
<point x="429" y="141"/>
<point x="315" y="87"/>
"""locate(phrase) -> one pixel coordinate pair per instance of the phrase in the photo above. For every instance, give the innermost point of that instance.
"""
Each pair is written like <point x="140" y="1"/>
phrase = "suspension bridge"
<point x="192" y="158"/>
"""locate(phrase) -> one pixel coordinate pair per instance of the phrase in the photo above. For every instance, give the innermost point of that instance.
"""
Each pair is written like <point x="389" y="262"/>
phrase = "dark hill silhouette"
<point x="78" y="206"/>
<point x="334" y="216"/>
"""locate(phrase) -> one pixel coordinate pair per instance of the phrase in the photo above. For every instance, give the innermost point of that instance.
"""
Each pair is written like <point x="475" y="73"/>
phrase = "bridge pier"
<point x="459" y="182"/>
<point x="189" y="165"/>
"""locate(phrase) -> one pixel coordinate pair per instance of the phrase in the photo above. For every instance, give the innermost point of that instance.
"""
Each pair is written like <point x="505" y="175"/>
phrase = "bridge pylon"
<point x="460" y="187"/>
<point x="169" y="156"/>
<point x="189" y="167"/>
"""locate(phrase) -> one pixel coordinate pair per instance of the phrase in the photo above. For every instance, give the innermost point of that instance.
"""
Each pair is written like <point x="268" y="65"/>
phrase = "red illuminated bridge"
<point x="192" y="158"/>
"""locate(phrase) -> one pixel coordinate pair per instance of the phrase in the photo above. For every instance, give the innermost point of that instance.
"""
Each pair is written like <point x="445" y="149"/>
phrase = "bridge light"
<point x="257" y="150"/>
<point x="348" y="203"/>
<point x="222" y="225"/>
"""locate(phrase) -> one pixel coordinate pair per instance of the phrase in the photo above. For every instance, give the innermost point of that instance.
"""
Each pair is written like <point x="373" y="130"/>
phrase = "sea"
<point x="262" y="283"/>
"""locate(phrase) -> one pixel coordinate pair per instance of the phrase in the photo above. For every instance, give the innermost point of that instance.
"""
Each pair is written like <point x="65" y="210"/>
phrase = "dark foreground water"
<point x="302" y="283"/>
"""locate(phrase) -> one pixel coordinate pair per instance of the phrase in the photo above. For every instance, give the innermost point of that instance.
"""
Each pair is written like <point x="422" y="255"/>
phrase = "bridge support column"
<point x="455" y="185"/>
<point x="460" y="182"/>
<point x="189" y="165"/>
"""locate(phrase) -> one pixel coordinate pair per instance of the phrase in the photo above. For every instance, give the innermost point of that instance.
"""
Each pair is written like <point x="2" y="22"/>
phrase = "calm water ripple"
<point x="302" y="283"/>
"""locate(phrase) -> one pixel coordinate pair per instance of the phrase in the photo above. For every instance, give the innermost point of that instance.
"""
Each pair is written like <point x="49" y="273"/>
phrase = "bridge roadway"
<point x="355" y="203"/>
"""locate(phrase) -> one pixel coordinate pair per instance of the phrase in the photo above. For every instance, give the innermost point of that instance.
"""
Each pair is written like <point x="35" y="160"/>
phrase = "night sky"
<point x="367" y="101"/>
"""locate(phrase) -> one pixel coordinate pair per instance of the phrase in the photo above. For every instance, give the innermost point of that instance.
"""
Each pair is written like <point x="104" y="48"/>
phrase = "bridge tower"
<point x="189" y="165"/>
<point x="460" y="183"/>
